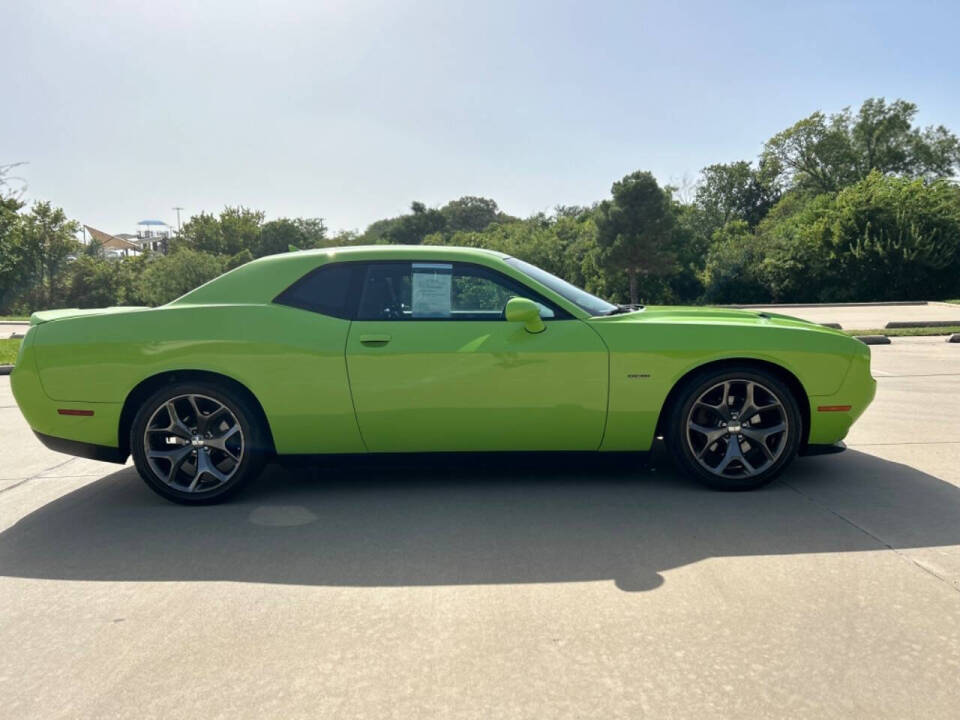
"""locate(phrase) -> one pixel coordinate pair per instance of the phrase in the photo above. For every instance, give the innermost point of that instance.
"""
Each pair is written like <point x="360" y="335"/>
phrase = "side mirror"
<point x="525" y="311"/>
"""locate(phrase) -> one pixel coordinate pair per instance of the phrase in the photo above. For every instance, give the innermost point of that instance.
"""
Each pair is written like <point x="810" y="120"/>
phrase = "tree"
<point x="635" y="230"/>
<point x="47" y="241"/>
<point x="240" y="229"/>
<point x="279" y="236"/>
<point x="473" y="214"/>
<point x="824" y="153"/>
<point x="731" y="271"/>
<point x="413" y="228"/>
<point x="167" y="277"/>
<point x="738" y="191"/>
<point x="201" y="232"/>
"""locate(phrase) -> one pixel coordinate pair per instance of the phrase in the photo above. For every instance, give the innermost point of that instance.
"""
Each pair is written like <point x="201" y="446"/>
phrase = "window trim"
<point x="362" y="267"/>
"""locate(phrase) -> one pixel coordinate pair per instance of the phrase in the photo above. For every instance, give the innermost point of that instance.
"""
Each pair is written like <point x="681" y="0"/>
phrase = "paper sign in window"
<point x="432" y="290"/>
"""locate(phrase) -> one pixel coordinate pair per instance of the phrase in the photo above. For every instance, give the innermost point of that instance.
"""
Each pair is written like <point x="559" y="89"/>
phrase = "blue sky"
<point x="349" y="110"/>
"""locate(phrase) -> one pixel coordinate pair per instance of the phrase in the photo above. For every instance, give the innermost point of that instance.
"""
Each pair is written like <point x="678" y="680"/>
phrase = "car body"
<point x="333" y="360"/>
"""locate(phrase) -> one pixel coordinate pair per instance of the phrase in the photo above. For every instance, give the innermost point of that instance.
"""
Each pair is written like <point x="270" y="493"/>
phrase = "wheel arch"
<point x="789" y="379"/>
<point x="150" y="385"/>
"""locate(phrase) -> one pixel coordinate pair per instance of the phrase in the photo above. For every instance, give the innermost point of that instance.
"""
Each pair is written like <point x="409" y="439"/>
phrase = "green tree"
<point x="636" y="231"/>
<point x="92" y="282"/>
<point x="167" y="277"/>
<point x="732" y="269"/>
<point x="240" y="229"/>
<point x="824" y="153"/>
<point x="203" y="233"/>
<point x="738" y="191"/>
<point x="413" y="228"/>
<point x="48" y="240"/>
<point x="472" y="214"/>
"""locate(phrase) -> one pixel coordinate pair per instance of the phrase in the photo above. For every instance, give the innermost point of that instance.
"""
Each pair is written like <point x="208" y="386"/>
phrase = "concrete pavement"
<point x="868" y="317"/>
<point x="444" y="592"/>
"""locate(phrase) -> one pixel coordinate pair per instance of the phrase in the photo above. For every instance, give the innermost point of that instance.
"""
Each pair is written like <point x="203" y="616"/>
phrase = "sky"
<point x="350" y="109"/>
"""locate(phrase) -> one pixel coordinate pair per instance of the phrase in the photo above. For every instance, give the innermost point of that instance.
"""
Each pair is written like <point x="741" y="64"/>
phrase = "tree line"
<point x="850" y="206"/>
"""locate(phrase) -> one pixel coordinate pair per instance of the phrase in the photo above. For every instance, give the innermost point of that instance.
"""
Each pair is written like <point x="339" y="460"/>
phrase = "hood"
<point x="714" y="316"/>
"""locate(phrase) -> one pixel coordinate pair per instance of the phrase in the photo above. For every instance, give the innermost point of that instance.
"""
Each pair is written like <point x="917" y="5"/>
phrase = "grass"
<point x="907" y="332"/>
<point x="8" y="351"/>
<point x="24" y="317"/>
<point x="955" y="302"/>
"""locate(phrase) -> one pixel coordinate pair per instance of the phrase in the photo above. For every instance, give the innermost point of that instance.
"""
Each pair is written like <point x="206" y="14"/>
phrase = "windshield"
<point x="581" y="298"/>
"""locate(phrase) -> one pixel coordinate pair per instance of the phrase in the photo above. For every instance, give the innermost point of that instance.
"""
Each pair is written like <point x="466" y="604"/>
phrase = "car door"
<point x="434" y="366"/>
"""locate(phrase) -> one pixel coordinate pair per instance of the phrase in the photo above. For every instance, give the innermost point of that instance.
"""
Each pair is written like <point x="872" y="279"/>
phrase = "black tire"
<point x="694" y="452"/>
<point x="253" y="447"/>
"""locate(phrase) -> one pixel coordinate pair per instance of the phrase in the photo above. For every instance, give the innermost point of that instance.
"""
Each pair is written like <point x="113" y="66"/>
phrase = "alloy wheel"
<point x="194" y="443"/>
<point x="737" y="428"/>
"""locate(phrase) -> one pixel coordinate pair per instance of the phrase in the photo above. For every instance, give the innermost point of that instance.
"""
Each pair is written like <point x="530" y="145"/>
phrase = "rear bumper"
<point x="83" y="449"/>
<point x="97" y="426"/>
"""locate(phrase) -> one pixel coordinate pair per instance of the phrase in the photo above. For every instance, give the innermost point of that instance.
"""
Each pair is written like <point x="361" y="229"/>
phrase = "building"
<point x="153" y="235"/>
<point x="113" y="246"/>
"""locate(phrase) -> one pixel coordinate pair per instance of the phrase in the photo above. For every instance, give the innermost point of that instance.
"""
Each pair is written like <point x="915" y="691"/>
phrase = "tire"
<point x="203" y="452"/>
<point x="717" y="436"/>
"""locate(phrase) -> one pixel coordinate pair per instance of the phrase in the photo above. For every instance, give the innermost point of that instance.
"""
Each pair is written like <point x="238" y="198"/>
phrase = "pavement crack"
<point x="881" y="541"/>
<point x="36" y="475"/>
<point x="908" y="442"/>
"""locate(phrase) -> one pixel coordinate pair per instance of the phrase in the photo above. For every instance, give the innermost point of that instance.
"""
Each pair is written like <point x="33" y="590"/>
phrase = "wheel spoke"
<point x="760" y="435"/>
<point x="206" y="467"/>
<point x="711" y="433"/>
<point x="220" y="443"/>
<point x="175" y="457"/>
<point x="211" y="420"/>
<point x="177" y="426"/>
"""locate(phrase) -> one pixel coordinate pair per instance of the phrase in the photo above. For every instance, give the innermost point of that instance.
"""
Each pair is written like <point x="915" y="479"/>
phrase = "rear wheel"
<point x="196" y="443"/>
<point x="734" y="429"/>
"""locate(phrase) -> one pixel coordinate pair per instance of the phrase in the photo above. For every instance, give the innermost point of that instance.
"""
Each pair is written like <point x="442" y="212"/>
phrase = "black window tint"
<point x="386" y="293"/>
<point x="326" y="290"/>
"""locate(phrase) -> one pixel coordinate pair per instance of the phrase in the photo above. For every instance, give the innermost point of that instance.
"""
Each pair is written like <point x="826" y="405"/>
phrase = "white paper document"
<point x="432" y="290"/>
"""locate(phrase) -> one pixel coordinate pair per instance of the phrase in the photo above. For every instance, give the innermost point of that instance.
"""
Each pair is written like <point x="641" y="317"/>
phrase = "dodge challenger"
<point x="388" y="349"/>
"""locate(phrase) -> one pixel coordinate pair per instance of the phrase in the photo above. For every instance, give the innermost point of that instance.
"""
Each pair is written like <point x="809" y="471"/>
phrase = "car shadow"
<point x="429" y="522"/>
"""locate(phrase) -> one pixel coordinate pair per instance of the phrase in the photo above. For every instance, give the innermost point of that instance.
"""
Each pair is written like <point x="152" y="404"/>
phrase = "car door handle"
<point x="375" y="340"/>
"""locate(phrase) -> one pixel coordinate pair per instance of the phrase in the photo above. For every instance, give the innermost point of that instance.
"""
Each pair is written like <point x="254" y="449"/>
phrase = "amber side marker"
<point x="833" y="408"/>
<point x="70" y="411"/>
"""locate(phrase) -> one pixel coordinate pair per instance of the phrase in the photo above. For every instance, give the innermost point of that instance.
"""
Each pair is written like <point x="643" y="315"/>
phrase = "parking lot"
<point x="587" y="589"/>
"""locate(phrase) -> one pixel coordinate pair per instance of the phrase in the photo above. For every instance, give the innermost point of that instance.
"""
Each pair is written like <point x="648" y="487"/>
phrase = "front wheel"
<point x="734" y="429"/>
<point x="196" y="443"/>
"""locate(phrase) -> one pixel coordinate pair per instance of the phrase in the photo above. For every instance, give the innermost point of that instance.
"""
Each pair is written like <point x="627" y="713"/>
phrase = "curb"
<point x="6" y="369"/>
<point x="14" y="322"/>
<point x="922" y="324"/>
<point x="873" y="339"/>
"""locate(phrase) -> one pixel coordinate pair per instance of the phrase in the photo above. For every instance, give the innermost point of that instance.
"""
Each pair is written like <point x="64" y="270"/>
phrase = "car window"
<point x="439" y="290"/>
<point x="326" y="290"/>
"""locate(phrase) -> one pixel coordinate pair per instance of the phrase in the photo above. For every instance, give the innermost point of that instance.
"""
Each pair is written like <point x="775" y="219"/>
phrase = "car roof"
<point x="400" y="251"/>
<point x="262" y="279"/>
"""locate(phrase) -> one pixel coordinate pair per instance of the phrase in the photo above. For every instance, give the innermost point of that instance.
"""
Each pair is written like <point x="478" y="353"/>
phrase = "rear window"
<point x="326" y="290"/>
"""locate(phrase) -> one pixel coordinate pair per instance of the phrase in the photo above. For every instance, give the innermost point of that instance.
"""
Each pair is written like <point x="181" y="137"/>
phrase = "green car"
<point x="404" y="349"/>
